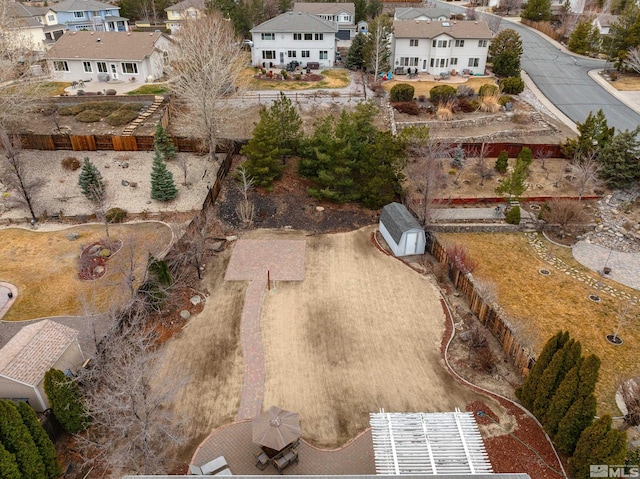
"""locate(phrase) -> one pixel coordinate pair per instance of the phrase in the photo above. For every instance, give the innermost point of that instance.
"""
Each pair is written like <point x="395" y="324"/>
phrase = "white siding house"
<point x="401" y="230"/>
<point x="294" y="36"/>
<point x="432" y="13"/>
<point x="102" y="56"/>
<point x="343" y="14"/>
<point x="26" y="358"/>
<point x="441" y="46"/>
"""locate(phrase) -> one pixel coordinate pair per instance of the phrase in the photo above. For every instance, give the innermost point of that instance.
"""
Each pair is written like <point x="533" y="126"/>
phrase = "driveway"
<point x="563" y="78"/>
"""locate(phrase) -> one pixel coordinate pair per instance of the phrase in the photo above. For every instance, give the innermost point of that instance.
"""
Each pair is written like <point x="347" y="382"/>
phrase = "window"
<point x="268" y="55"/>
<point x="345" y="18"/>
<point x="432" y="62"/>
<point x="51" y="18"/>
<point x="291" y="54"/>
<point x="87" y="67"/>
<point x="409" y="61"/>
<point x="459" y="43"/>
<point x="454" y="61"/>
<point x="474" y="62"/>
<point x="305" y="54"/>
<point x="324" y="54"/>
<point x="129" y="68"/>
<point x="308" y="36"/>
<point x="268" y="36"/>
<point x="434" y="43"/>
<point x="442" y="65"/>
<point x="78" y="14"/>
<point x="482" y="43"/>
<point x="442" y="43"/>
<point x="61" y="66"/>
<point x="297" y="36"/>
<point x="413" y="42"/>
<point x="102" y="67"/>
<point x="319" y="36"/>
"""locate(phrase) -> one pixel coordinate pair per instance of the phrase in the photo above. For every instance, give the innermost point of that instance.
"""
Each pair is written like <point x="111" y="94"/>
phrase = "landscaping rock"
<point x="195" y="300"/>
<point x="217" y="246"/>
<point x="98" y="269"/>
<point x="95" y="250"/>
<point x="184" y="314"/>
<point x="231" y="238"/>
<point x="319" y="208"/>
<point x="125" y="183"/>
<point x="73" y="236"/>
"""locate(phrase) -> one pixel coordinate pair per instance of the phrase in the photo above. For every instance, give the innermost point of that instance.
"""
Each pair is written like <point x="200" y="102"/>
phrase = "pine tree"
<point x="561" y="401"/>
<point x="65" y="399"/>
<point x="588" y="375"/>
<point x="90" y="181"/>
<point x="579" y="416"/>
<point x="502" y="162"/>
<point x="598" y="444"/>
<point x="537" y="10"/>
<point x="288" y="125"/>
<point x="355" y="56"/>
<point x="8" y="466"/>
<point x="45" y="447"/>
<point x="263" y="151"/>
<point x="163" y="188"/>
<point x="593" y="135"/>
<point x="16" y="439"/>
<point x="620" y="159"/>
<point x="582" y="38"/>
<point x="527" y="392"/>
<point x="164" y="144"/>
<point x="505" y="52"/>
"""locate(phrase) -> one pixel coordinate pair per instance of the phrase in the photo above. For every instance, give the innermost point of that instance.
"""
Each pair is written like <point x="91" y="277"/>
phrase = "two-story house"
<point x="89" y="15"/>
<point x="343" y="14"/>
<point x="31" y="28"/>
<point x="294" y="36"/>
<point x="183" y="11"/>
<point x="441" y="46"/>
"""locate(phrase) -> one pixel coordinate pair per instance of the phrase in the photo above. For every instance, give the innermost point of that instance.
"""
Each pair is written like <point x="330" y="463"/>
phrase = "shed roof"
<point x="34" y="350"/>
<point x="324" y="8"/>
<point x="397" y="219"/>
<point x="85" y="45"/>
<point x="460" y="29"/>
<point x="294" y="22"/>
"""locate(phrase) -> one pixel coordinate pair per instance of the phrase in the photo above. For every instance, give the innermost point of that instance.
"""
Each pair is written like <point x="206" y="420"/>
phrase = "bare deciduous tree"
<point x="245" y="208"/>
<point x="205" y="65"/>
<point x="585" y="171"/>
<point x="631" y="395"/>
<point x="564" y="213"/>
<point x="377" y="50"/>
<point x="190" y="249"/>
<point x="480" y="165"/>
<point x="510" y="5"/>
<point x="632" y="60"/>
<point x="183" y="164"/>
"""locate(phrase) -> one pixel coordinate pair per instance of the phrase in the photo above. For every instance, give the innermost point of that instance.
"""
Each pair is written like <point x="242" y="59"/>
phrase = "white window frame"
<point x="474" y="62"/>
<point x="126" y="68"/>
<point x="324" y="54"/>
<point x="78" y="14"/>
<point x="102" y="67"/>
<point x="291" y="54"/>
<point x="319" y="36"/>
<point x="86" y="66"/>
<point x="305" y="54"/>
<point x="482" y="43"/>
<point x="268" y="54"/>
<point x="413" y="42"/>
<point x="308" y="36"/>
<point x="51" y="17"/>
<point x="459" y="43"/>
<point x="60" y="66"/>
<point x="297" y="36"/>
<point x="454" y="62"/>
<point x="268" y="36"/>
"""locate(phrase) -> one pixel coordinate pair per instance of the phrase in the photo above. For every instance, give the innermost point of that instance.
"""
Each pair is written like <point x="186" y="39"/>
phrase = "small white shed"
<point x="401" y="230"/>
<point x="26" y="358"/>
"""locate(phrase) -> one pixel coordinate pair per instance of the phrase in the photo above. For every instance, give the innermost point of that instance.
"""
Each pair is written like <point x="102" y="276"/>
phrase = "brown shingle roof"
<point x="34" y="350"/>
<point x="429" y="29"/>
<point x="111" y="46"/>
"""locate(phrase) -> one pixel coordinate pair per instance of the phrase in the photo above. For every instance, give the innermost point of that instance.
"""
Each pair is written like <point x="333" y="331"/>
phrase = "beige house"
<point x="183" y="11"/>
<point x="26" y="358"/>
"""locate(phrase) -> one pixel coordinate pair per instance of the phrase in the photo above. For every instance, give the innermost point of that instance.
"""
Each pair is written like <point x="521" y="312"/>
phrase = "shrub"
<point x="121" y="117"/>
<point x="459" y="257"/>
<point x="464" y="91"/>
<point x="110" y="92"/>
<point x="402" y="92"/>
<point x="48" y="110"/>
<point x="504" y="99"/>
<point x="71" y="110"/>
<point x="80" y="93"/>
<point x="284" y="74"/>
<point x="488" y="90"/>
<point x="116" y="215"/>
<point x="489" y="104"/>
<point x="444" y="113"/>
<point x="513" y="215"/>
<point x="66" y="401"/>
<point x="442" y="93"/>
<point x="408" y="107"/>
<point x="44" y="445"/>
<point x="502" y="162"/>
<point x="422" y="98"/>
<point x="88" y="116"/>
<point x="71" y="163"/>
<point x="512" y="85"/>
<point x="467" y="106"/>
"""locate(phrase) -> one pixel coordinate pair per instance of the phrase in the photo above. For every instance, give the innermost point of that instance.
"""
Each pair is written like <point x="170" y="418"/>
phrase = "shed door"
<point x="412" y="243"/>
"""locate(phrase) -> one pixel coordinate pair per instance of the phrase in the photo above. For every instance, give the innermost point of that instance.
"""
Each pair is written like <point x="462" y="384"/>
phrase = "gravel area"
<point x="127" y="175"/>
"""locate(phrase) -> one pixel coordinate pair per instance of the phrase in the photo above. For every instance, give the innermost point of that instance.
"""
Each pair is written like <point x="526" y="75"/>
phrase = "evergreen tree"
<point x="593" y="135"/>
<point x="288" y="125"/>
<point x="360" y="10"/>
<point x="164" y="144"/>
<point x="620" y="159"/>
<point x="16" y="439"/>
<point x="355" y="55"/>
<point x="263" y="152"/>
<point x="65" y="399"/>
<point x="582" y="38"/>
<point x="514" y="185"/>
<point x="502" y="162"/>
<point x="45" y="447"/>
<point x="579" y="416"/>
<point x="598" y="444"/>
<point x="374" y="8"/>
<point x="525" y="157"/>
<point x="537" y="10"/>
<point x="505" y="52"/>
<point x="527" y="392"/>
<point x="8" y="466"/>
<point x="163" y="188"/>
<point x="90" y="181"/>
<point x="588" y="374"/>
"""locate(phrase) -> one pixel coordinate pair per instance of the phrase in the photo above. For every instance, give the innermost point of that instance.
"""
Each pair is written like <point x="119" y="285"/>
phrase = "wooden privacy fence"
<point x="547" y="150"/>
<point x="488" y="316"/>
<point x="103" y="142"/>
<point x="544" y="27"/>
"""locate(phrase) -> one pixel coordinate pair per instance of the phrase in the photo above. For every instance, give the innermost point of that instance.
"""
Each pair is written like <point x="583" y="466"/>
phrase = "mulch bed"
<point x="93" y="262"/>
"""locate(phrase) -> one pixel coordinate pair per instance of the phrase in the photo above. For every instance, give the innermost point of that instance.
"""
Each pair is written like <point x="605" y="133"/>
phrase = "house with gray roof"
<point x="401" y="230"/>
<point x="294" y="36"/>
<point x="431" y="13"/>
<point x="183" y="11"/>
<point x="26" y="358"/>
<point x="343" y="14"/>
<point x="33" y="27"/>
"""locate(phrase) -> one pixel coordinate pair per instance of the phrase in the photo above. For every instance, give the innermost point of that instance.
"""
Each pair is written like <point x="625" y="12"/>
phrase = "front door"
<point x="282" y="58"/>
<point x="114" y="71"/>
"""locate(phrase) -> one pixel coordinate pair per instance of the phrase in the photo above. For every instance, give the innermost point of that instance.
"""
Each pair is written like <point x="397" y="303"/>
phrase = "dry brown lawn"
<point x="627" y="83"/>
<point x="44" y="267"/>
<point x="333" y="78"/>
<point x="423" y="87"/>
<point x="539" y="306"/>
<point x="361" y="332"/>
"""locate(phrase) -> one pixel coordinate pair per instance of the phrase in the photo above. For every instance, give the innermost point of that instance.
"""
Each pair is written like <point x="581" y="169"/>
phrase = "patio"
<point x="234" y="442"/>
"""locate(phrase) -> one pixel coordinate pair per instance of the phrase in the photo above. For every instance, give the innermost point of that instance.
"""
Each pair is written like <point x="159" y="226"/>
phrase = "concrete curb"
<point x="545" y="101"/>
<point x="620" y="95"/>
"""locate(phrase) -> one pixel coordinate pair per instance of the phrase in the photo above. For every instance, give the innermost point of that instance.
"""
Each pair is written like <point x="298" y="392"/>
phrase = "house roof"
<point x="81" y="6"/>
<point x="296" y="22"/>
<point x="606" y="20"/>
<point x="410" y="13"/>
<point x="454" y="28"/>
<point x="397" y="219"/>
<point x="35" y="350"/>
<point x="104" y="46"/>
<point x="22" y="11"/>
<point x="324" y="8"/>
<point x="185" y="4"/>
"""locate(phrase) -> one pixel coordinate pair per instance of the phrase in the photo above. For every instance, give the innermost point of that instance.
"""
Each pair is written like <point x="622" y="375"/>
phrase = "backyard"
<point x="331" y="78"/>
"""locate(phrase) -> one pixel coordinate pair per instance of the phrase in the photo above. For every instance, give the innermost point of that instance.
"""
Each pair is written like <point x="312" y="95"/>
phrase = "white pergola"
<point x="428" y="444"/>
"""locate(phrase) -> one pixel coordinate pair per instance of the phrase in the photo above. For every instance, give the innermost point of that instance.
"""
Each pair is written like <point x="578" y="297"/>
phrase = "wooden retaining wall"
<point x="31" y="141"/>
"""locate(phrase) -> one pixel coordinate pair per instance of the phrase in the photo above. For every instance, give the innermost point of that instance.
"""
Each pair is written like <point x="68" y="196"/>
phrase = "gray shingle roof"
<point x="324" y="8"/>
<point x="409" y="13"/>
<point x="428" y="29"/>
<point x="297" y="22"/>
<point x="81" y="6"/>
<point x="34" y="350"/>
<point x="112" y="46"/>
<point x="185" y="4"/>
<point x="397" y="219"/>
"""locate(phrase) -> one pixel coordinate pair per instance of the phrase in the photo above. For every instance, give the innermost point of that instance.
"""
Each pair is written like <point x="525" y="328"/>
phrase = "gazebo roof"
<point x="428" y="444"/>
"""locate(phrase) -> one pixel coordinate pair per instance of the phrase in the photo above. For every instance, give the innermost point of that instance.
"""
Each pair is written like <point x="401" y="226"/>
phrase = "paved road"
<point x="564" y="80"/>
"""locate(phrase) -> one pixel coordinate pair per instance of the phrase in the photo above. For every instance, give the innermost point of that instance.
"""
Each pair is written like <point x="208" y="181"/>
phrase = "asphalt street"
<point x="563" y="78"/>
